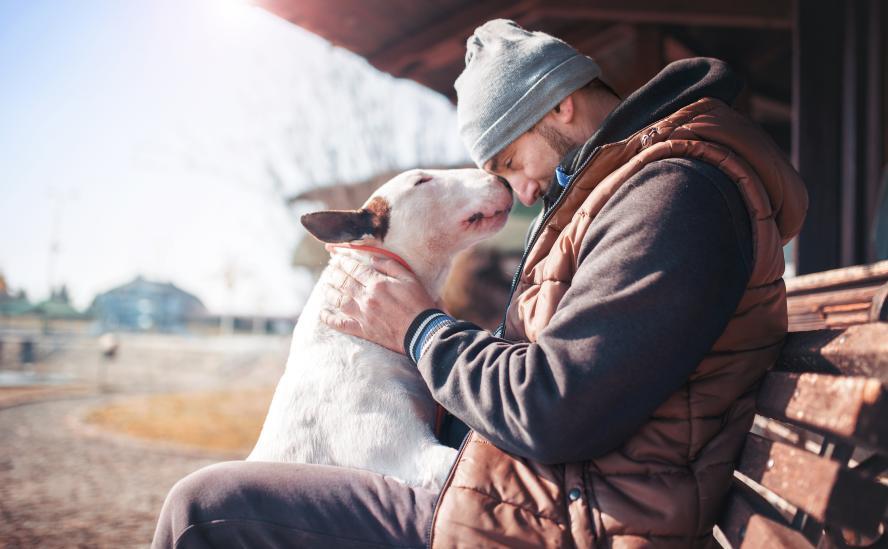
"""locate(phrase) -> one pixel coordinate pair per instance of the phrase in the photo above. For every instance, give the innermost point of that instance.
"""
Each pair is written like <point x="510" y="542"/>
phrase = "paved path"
<point x="62" y="488"/>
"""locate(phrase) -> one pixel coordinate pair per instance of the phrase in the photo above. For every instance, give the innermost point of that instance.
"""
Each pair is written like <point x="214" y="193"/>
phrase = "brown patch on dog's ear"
<point x="349" y="225"/>
<point x="381" y="211"/>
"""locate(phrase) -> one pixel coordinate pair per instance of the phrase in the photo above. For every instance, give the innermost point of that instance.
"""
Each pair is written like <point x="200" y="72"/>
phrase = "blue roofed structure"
<point x="143" y="305"/>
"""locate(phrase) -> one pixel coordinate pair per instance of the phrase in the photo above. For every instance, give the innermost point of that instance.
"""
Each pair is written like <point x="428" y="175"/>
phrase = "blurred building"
<point x="143" y="305"/>
<point x="58" y="306"/>
<point x="20" y="317"/>
<point x="14" y="304"/>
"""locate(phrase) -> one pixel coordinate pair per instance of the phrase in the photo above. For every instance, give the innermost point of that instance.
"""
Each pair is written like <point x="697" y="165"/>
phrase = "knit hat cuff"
<point x="564" y="79"/>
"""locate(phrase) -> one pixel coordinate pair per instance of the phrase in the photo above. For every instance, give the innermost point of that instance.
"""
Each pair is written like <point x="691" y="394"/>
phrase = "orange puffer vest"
<point x="664" y="486"/>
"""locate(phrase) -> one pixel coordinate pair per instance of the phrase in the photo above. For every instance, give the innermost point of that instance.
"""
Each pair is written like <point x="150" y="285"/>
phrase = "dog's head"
<point x="425" y="216"/>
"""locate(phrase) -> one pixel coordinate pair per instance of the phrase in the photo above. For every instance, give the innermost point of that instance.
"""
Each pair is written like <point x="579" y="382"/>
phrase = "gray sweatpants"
<point x="255" y="505"/>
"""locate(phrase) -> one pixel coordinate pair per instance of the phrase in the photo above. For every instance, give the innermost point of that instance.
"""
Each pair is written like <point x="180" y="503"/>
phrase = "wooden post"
<point x="816" y="127"/>
<point x="838" y="119"/>
<point x="862" y="120"/>
<point x="875" y="116"/>
<point x="853" y="140"/>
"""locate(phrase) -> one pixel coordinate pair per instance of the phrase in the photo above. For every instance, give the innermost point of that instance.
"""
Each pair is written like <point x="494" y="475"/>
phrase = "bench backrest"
<point x="812" y="470"/>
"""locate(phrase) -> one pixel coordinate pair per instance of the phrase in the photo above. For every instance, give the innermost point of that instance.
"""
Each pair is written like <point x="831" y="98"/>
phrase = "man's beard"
<point x="559" y="142"/>
<point x="562" y="145"/>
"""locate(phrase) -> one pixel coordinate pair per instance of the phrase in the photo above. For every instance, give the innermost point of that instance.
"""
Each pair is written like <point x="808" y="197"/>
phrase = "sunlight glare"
<point x="230" y="12"/>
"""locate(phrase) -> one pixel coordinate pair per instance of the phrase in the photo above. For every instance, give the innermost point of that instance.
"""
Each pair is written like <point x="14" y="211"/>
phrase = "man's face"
<point x="529" y="162"/>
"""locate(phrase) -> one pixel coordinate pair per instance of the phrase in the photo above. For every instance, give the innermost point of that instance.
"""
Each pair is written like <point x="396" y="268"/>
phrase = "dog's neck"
<point x="432" y="274"/>
<point x="431" y="271"/>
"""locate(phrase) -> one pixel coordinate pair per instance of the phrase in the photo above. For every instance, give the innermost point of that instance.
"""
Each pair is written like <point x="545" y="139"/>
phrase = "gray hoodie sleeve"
<point x="661" y="270"/>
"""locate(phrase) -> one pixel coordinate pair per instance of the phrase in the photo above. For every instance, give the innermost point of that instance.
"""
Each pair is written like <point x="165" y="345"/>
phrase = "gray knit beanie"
<point x="512" y="78"/>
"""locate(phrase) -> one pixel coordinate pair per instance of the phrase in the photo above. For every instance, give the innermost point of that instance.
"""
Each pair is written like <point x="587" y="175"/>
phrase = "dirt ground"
<point x="88" y="465"/>
<point x="223" y="421"/>
<point x="60" y="487"/>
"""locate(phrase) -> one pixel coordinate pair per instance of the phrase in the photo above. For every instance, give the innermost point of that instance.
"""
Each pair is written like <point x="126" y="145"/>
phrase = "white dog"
<point x="348" y="402"/>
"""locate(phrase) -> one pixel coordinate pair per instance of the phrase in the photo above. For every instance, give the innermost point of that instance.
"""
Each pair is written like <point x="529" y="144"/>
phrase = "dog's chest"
<point x="344" y="401"/>
<point x="344" y="375"/>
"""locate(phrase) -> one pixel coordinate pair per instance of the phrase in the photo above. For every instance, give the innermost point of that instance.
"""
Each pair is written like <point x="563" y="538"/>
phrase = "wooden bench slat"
<point x="838" y="298"/>
<point x="834" y="309"/>
<point x="855" y="351"/>
<point x="852" y="408"/>
<point x="746" y="527"/>
<point x="873" y="274"/>
<point x="879" y="307"/>
<point x="833" y="382"/>
<point x="823" y="488"/>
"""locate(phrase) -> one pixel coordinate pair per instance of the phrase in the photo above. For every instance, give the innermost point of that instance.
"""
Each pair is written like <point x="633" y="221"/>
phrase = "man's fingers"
<point x="340" y="322"/>
<point x="339" y="300"/>
<point x="364" y="273"/>
<point x="344" y="281"/>
<point x="392" y="268"/>
<point x="361" y="273"/>
<point x="333" y="297"/>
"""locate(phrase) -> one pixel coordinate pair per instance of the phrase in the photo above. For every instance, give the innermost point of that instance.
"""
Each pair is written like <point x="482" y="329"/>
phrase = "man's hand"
<point x="376" y="302"/>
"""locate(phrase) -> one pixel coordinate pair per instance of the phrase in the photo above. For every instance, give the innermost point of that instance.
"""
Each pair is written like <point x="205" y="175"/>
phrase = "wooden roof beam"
<point x="441" y="43"/>
<point x="606" y="41"/>
<point x="761" y="14"/>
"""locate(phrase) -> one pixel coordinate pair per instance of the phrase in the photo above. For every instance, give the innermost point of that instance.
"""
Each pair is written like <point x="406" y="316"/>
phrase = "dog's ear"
<point x="349" y="225"/>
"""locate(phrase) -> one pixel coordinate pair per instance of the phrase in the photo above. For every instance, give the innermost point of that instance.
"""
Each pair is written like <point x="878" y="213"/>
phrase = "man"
<point x="609" y="408"/>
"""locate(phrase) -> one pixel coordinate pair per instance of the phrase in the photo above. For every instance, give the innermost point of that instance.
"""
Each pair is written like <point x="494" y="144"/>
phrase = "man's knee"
<point x="200" y="497"/>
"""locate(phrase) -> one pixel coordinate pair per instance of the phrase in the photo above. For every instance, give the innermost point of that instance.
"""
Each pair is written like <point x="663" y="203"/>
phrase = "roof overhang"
<point x="425" y="41"/>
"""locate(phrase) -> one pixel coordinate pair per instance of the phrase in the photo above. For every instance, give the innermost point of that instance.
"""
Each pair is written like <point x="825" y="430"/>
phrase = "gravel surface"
<point x="62" y="488"/>
<point x="64" y="485"/>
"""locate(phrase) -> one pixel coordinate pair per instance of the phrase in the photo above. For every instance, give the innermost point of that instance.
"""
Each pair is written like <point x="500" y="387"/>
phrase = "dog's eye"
<point x="422" y="179"/>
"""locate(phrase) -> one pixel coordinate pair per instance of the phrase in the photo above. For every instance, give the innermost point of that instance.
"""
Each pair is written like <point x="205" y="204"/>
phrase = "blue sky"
<point x="135" y="136"/>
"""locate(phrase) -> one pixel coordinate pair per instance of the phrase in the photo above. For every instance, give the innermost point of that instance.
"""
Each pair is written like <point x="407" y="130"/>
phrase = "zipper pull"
<point x="648" y="138"/>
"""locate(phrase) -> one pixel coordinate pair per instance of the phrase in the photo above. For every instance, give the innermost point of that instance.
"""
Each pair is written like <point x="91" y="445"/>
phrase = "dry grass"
<point x="227" y="421"/>
<point x="13" y="396"/>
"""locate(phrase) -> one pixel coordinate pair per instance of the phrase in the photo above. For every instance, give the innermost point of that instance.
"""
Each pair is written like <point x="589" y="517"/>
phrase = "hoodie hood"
<point x="676" y="86"/>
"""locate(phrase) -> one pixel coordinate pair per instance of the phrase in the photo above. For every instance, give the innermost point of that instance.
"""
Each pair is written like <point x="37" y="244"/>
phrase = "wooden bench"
<point x="813" y="470"/>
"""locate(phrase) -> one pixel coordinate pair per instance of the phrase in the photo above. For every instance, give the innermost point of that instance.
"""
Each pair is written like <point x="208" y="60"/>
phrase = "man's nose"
<point x="527" y="201"/>
<point x="527" y="192"/>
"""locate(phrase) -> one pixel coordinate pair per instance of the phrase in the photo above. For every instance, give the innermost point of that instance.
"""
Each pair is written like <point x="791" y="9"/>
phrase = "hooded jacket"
<point x="648" y="305"/>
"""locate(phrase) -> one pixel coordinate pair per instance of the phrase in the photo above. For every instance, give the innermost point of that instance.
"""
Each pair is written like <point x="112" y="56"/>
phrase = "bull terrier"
<point x="345" y="401"/>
